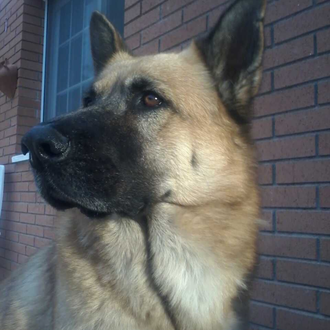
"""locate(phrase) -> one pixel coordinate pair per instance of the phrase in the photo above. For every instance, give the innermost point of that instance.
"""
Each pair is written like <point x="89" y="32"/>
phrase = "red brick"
<point x="324" y="144"/>
<point x="49" y="233"/>
<point x="36" y="208"/>
<point x="12" y="197"/>
<point x="16" y="247"/>
<point x="183" y="33"/>
<point x="172" y="5"/>
<point x="290" y="320"/>
<point x="302" y="23"/>
<point x="133" y="12"/>
<point x="35" y="230"/>
<point x="26" y="239"/>
<point x="289" y="52"/>
<point x="303" y="121"/>
<point x="325" y="303"/>
<point x="14" y="266"/>
<point x="149" y="4"/>
<point x="32" y="20"/>
<point x="49" y="210"/>
<point x="265" y="268"/>
<point x="147" y="49"/>
<point x="199" y="7"/>
<point x="22" y="259"/>
<point x="30" y="46"/>
<point x="13" y="177"/>
<point x="323" y="38"/>
<point x="27" y="218"/>
<point x="262" y="128"/>
<point x="161" y="27"/>
<point x="291" y="196"/>
<point x="28" y="197"/>
<point x="293" y="147"/>
<point x="299" y="97"/>
<point x="309" y="222"/>
<point x="10" y="255"/>
<point x="266" y="83"/>
<point x="4" y="263"/>
<point x="303" y="273"/>
<point x="30" y="250"/>
<point x="285" y="295"/>
<point x="129" y="3"/>
<point x="33" y="11"/>
<point x="261" y="314"/>
<point x="24" y="73"/>
<point x="12" y="236"/>
<point x="142" y="22"/>
<point x="215" y="14"/>
<point x="323" y="92"/>
<point x="278" y="10"/>
<point x="22" y="167"/>
<point x="15" y="207"/>
<point x="41" y="242"/>
<point x="325" y="196"/>
<point x="265" y="174"/>
<point x="14" y="216"/>
<point x="325" y="249"/>
<point x="287" y="246"/>
<point x="297" y="73"/>
<point x="28" y="83"/>
<point x="303" y="171"/>
<point x="45" y="220"/>
<point x="133" y="41"/>
<point x="267" y="220"/>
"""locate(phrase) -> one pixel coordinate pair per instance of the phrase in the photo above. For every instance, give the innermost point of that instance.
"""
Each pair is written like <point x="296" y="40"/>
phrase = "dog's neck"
<point x="177" y="254"/>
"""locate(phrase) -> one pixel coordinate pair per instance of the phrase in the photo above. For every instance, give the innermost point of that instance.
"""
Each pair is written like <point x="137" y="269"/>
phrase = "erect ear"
<point x="233" y="53"/>
<point x="105" y="41"/>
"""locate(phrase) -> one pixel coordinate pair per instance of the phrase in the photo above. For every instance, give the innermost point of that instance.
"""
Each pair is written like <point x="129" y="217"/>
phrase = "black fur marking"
<point x="166" y="195"/>
<point x="105" y="41"/>
<point x="194" y="161"/>
<point x="232" y="52"/>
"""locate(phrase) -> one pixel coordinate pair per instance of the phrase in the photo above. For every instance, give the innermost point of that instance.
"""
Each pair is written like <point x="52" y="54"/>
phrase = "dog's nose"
<point x="45" y="145"/>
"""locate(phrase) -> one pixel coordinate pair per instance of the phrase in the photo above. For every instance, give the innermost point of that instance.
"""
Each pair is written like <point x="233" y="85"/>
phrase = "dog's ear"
<point x="105" y="41"/>
<point x="233" y="53"/>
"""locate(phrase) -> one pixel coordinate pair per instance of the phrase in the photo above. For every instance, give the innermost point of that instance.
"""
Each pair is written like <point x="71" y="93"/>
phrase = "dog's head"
<point x="170" y="128"/>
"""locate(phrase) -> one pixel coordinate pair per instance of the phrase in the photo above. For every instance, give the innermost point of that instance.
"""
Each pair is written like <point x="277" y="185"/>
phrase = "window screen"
<point x="69" y="67"/>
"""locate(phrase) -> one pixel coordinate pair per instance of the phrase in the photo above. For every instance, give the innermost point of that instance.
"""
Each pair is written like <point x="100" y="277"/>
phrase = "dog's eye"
<point x="151" y="100"/>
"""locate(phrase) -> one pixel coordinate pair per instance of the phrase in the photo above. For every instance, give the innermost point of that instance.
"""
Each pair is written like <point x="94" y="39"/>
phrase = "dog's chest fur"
<point x="158" y="283"/>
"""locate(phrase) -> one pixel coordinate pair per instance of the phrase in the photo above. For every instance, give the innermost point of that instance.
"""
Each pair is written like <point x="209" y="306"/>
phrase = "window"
<point x="69" y="67"/>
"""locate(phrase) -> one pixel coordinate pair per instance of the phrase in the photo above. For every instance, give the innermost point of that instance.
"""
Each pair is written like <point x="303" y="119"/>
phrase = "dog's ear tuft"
<point x="233" y="53"/>
<point x="105" y="41"/>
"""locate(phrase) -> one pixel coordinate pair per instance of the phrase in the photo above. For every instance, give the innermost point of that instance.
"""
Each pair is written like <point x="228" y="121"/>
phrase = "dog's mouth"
<point x="61" y="201"/>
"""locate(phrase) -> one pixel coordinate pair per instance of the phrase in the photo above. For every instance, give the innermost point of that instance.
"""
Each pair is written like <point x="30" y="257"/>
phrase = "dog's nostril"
<point x="52" y="149"/>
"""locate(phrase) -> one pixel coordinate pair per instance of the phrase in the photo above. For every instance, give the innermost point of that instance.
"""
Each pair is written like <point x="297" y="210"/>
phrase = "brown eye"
<point x="151" y="100"/>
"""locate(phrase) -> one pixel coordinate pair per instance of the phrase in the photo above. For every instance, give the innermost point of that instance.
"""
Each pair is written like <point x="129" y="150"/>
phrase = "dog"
<point x="155" y="178"/>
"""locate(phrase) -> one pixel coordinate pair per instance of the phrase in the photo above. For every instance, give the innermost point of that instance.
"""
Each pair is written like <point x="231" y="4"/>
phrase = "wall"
<point x="26" y="222"/>
<point x="291" y="127"/>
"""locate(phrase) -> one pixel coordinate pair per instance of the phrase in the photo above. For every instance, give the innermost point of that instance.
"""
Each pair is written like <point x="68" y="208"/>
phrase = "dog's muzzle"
<point x="45" y="145"/>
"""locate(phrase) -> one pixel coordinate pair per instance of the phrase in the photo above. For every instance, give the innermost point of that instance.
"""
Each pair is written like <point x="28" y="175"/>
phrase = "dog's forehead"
<point x="170" y="71"/>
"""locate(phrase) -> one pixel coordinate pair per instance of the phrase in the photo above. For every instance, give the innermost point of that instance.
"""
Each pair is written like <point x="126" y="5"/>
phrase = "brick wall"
<point x="26" y="222"/>
<point x="291" y="127"/>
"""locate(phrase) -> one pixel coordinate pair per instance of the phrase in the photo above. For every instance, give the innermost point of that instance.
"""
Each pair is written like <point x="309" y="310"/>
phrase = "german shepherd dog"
<point x="156" y="178"/>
